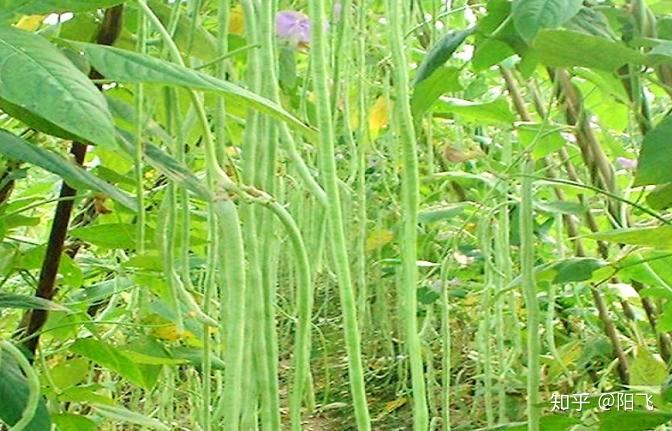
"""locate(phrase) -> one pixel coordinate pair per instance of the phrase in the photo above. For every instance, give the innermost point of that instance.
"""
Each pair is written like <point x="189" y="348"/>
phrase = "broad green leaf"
<point x="440" y="53"/>
<point x="660" y="198"/>
<point x="441" y="213"/>
<point x="646" y="369"/>
<point x="18" y="149"/>
<point x="661" y="53"/>
<point x="72" y="422"/>
<point x="109" y="235"/>
<point x="69" y="372"/>
<point x="38" y="78"/>
<point x="638" y="420"/>
<point x="195" y="356"/>
<point x="591" y="21"/>
<point x="86" y="394"/>
<point x="497" y="37"/>
<point x="576" y="269"/>
<point x="443" y="80"/>
<point x="14" y="395"/>
<point x="12" y="300"/>
<point x="563" y="48"/>
<point x="121" y="414"/>
<point x="657" y="237"/>
<point x="531" y="16"/>
<point x="561" y="207"/>
<point x="42" y="7"/>
<point x="490" y="52"/>
<point x="497" y="111"/>
<point x="655" y="158"/>
<point x="546" y="140"/>
<point x="110" y="357"/>
<point x="131" y="67"/>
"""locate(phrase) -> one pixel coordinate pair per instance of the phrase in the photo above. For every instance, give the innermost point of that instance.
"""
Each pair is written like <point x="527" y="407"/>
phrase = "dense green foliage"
<point x="335" y="215"/>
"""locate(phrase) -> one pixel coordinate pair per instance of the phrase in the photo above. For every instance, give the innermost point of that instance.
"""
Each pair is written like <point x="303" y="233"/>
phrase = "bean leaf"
<point x="530" y="16"/>
<point x="39" y="79"/>
<point x="15" y="148"/>
<point x="130" y="67"/>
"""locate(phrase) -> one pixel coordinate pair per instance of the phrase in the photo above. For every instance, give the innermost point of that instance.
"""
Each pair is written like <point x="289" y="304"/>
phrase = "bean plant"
<point x="267" y="215"/>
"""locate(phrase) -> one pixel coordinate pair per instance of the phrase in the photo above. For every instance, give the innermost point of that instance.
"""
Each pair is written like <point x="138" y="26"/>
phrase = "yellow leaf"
<point x="237" y="20"/>
<point x="379" y="117"/>
<point x="170" y="333"/>
<point x="30" y="22"/>
<point x="456" y="155"/>
<point x="378" y="238"/>
<point x="392" y="406"/>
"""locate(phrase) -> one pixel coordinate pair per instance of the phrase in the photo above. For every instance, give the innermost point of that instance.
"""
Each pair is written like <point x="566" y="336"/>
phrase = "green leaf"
<point x="120" y="414"/>
<point x="653" y="166"/>
<point x="25" y="302"/>
<point x="576" y="269"/>
<point x="656" y="237"/>
<point x="131" y="67"/>
<point x="443" y="80"/>
<point x="111" y="358"/>
<point x="546" y="140"/>
<point x="561" y="207"/>
<point x="497" y="111"/>
<point x="14" y="396"/>
<point x="646" y="369"/>
<point x="660" y="198"/>
<point x="530" y="16"/>
<point x="440" y="53"/>
<point x="563" y="48"/>
<point x="638" y="420"/>
<point x="18" y="149"/>
<point x="69" y="372"/>
<point x="441" y="213"/>
<point x="70" y="422"/>
<point x="38" y="78"/>
<point x="109" y="235"/>
<point x="43" y="7"/>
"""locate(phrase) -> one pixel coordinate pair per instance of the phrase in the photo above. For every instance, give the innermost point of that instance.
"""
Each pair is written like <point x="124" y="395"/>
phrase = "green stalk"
<point x="486" y="300"/>
<point x="139" y="145"/>
<point x="446" y="342"/>
<point x="362" y="147"/>
<point x="410" y="192"/>
<point x="530" y="292"/>
<point x="320" y="76"/>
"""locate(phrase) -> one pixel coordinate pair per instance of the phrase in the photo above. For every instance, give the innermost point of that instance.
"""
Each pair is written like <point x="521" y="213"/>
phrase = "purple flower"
<point x="626" y="163"/>
<point x="293" y="26"/>
<point x="337" y="11"/>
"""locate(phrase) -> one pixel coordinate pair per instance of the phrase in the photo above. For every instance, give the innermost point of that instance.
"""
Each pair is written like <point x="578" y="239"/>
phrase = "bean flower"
<point x="293" y="26"/>
<point x="626" y="163"/>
